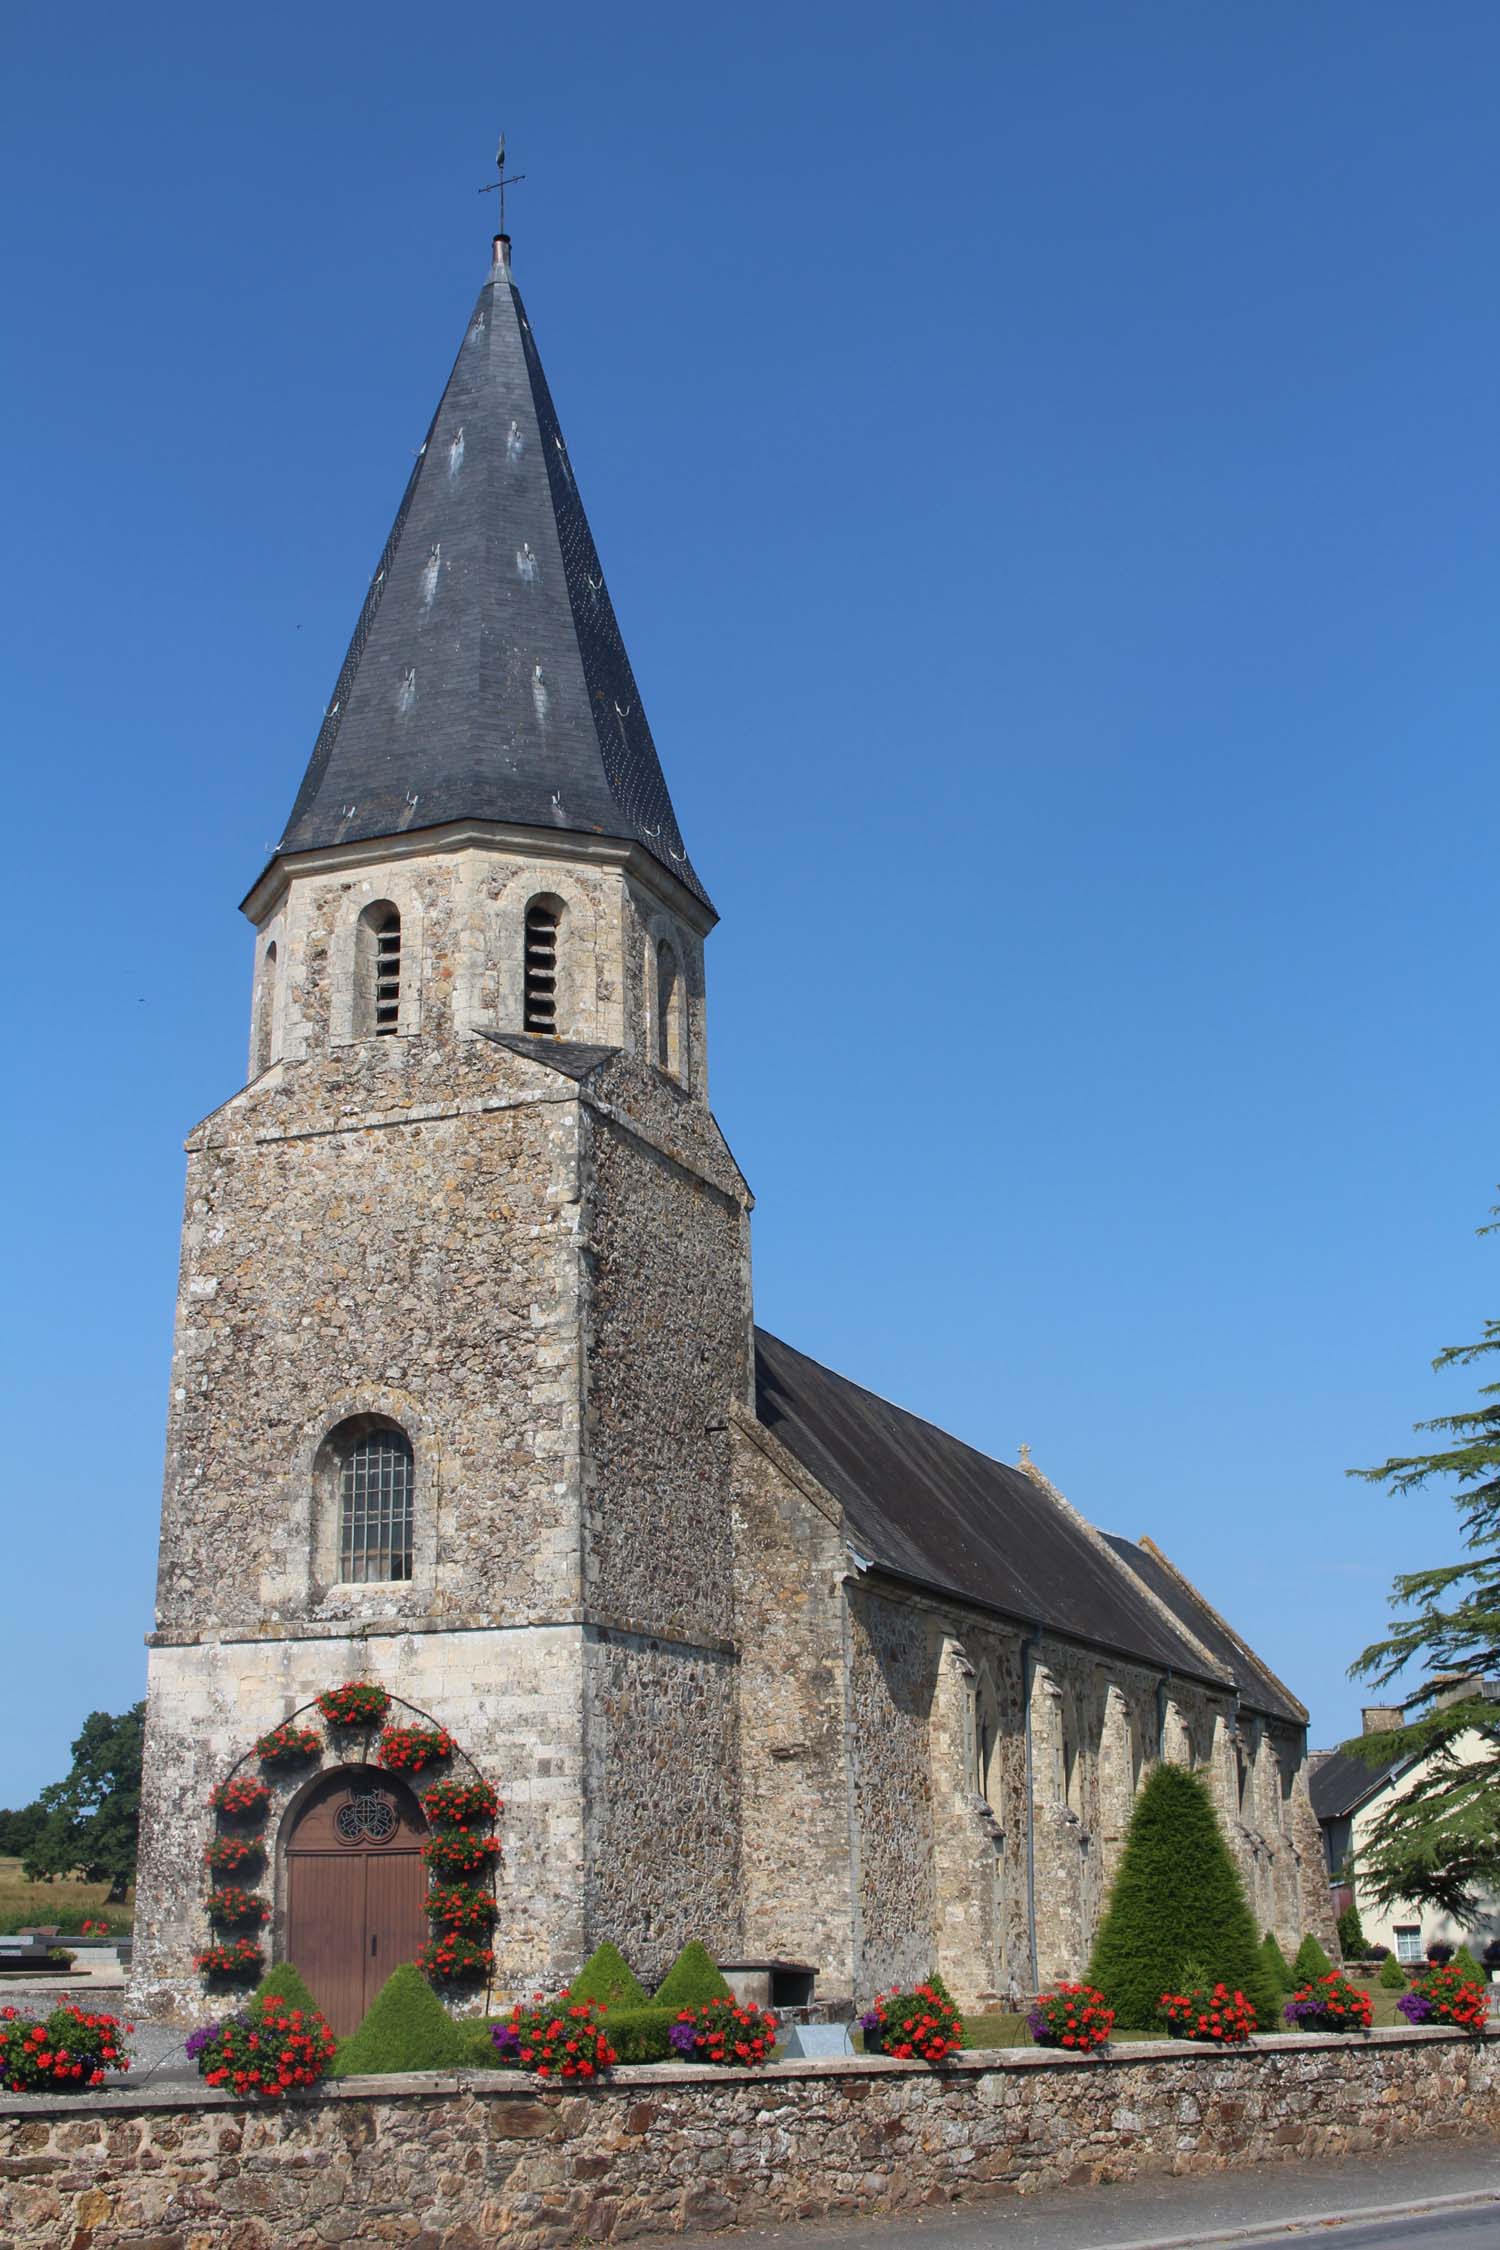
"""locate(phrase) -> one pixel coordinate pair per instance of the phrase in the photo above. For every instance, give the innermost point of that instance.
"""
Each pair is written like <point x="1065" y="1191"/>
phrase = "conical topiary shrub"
<point x="285" y="1984"/>
<point x="691" y="1980"/>
<point x="1392" y="1975"/>
<point x="607" y="1977"/>
<point x="1274" y="1962"/>
<point x="1311" y="1962"/>
<point x="407" y="2028"/>
<point x="1177" y="1898"/>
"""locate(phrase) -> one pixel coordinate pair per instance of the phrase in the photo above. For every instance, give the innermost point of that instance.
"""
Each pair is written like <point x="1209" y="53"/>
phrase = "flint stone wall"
<point x="450" y="2162"/>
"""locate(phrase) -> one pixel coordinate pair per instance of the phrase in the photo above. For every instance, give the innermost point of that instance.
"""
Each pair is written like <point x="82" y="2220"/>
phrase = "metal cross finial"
<point x="499" y="186"/>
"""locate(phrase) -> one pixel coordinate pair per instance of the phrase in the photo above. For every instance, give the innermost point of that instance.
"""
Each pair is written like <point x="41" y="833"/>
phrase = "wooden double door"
<point x="355" y="1889"/>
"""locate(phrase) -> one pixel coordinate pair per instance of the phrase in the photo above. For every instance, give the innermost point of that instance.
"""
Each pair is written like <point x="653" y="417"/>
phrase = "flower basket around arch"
<point x="289" y="1745"/>
<point x="231" y="1905"/>
<point x="356" y="1704"/>
<point x="243" y="1796"/>
<point x="413" y="1749"/>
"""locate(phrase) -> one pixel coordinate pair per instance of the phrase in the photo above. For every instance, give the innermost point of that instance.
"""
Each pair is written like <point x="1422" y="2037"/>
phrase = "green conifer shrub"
<point x="607" y="1977"/>
<point x="691" y="1980"/>
<point x="1274" y="1962"/>
<point x="1311" y="1962"/>
<point x="1176" y="1898"/>
<point x="1468" y="1968"/>
<point x="1351" y="1935"/>
<point x="407" y="2028"/>
<point x="1392" y="1975"/>
<point x="640" y="2035"/>
<point x="285" y="1984"/>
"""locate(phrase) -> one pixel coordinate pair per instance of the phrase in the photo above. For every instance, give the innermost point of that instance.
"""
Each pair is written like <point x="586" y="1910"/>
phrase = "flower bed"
<point x="288" y="1745"/>
<point x="923" y="2022"/>
<point x="232" y="1904"/>
<point x="559" y="2038"/>
<point x="62" y="2052"/>
<point x="455" y="1851"/>
<point x="1444" y="1995"/>
<point x="455" y="1959"/>
<point x="266" y="2049"/>
<point x="459" y="1907"/>
<point x="461" y="1804"/>
<point x="1216" y="2013"/>
<point x="1074" y="2016"/>
<point x="736" y="2034"/>
<point x="244" y="1796"/>
<point x="1329" y="2003"/>
<point x="236" y="1961"/>
<point x="411" y="1749"/>
<point x="358" y="1703"/>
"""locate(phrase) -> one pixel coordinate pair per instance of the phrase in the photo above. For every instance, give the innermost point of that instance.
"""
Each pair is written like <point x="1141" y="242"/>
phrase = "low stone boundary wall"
<point x="454" y="2161"/>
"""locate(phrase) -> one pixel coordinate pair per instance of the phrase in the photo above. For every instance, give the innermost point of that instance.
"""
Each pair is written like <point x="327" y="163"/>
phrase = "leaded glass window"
<point x="375" y="1508"/>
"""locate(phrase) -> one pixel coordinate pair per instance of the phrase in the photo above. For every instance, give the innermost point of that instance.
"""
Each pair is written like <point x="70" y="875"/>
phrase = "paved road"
<point x="1273" y="2207"/>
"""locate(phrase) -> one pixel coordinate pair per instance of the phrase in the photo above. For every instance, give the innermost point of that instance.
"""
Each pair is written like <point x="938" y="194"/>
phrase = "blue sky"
<point x="1045" y="458"/>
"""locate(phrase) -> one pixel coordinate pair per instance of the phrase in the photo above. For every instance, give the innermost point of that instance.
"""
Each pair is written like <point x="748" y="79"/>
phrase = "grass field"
<point x="62" y="1902"/>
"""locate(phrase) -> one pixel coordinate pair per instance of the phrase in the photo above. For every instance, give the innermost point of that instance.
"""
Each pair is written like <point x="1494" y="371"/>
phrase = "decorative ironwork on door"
<point x="370" y="1817"/>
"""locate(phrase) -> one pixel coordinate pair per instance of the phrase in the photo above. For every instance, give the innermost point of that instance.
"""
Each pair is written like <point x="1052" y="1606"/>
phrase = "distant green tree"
<point x="1392" y="1975"/>
<point x="1439" y="1841"/>
<point x="92" y="1819"/>
<point x="18" y="1828"/>
<point x="1177" y="1898"/>
<point x="1351" y="1934"/>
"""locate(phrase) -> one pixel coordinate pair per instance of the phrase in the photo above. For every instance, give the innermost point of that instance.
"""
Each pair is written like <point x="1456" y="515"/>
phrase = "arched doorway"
<point x="355" y="1888"/>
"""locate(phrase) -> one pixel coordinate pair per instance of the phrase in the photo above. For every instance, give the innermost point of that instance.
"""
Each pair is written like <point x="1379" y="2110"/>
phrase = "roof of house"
<point x="922" y="1506"/>
<point x="487" y="678"/>
<point x="1339" y="1784"/>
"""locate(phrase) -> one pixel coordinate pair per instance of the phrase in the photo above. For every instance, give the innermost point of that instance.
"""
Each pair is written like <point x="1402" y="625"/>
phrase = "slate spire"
<point x="487" y="679"/>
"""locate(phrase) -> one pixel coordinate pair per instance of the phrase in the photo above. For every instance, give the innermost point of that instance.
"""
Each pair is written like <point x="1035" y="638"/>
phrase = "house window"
<point x="378" y="972"/>
<point x="265" y="1010"/>
<point x="375" y="1504"/>
<point x="543" y="918"/>
<point x="1408" y="1936"/>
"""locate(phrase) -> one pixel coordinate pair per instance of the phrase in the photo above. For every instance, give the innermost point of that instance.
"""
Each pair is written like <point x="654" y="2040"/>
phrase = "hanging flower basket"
<point x="236" y="1961"/>
<point x="288" y="1745"/>
<point x="231" y="1855"/>
<point x="358" y="1703"/>
<point x="460" y="1908"/>
<point x="461" y="1804"/>
<point x="452" y="1959"/>
<point x="232" y="1904"/>
<point x="244" y="1796"/>
<point x="409" y="1749"/>
<point x="455" y="1851"/>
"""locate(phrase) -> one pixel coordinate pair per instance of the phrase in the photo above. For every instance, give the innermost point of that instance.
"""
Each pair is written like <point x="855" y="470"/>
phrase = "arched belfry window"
<point x="265" y="1011"/>
<point x="378" y="971"/>
<point x="375" y="1478"/>
<point x="543" y="923"/>
<point x="668" y="1035"/>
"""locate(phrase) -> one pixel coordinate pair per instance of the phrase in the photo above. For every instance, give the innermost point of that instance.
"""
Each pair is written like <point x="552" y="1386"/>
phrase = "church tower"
<point x="465" y="1292"/>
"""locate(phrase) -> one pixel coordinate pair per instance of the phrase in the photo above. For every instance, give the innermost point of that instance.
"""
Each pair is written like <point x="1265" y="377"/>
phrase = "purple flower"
<point x="196" y="2041"/>
<point x="506" y="2040"/>
<point x="684" y="2037"/>
<point x="1415" y="2006"/>
<point x="870" y="2021"/>
<point x="1298" y="2011"/>
<point x="1037" y="2024"/>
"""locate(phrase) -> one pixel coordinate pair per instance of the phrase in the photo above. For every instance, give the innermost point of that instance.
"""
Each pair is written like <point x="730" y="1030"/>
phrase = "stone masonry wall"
<point x="448" y="2163"/>
<point x="513" y="1701"/>
<point x="893" y="1658"/>
<point x="790" y="1562"/>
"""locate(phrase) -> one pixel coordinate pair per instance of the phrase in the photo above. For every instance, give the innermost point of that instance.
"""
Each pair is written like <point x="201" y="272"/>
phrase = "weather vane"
<point x="500" y="185"/>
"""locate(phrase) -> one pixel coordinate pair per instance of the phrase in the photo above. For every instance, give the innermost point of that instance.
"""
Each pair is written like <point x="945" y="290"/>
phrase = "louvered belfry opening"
<point x="388" y="972"/>
<point x="375" y="1508"/>
<point x="543" y="918"/>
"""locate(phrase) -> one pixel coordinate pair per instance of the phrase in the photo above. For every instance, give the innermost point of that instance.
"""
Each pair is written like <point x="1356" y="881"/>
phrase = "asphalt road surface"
<point x="1269" y="2207"/>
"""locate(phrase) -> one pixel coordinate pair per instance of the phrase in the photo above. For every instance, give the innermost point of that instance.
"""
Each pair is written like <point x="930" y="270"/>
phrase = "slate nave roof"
<point x="921" y="1505"/>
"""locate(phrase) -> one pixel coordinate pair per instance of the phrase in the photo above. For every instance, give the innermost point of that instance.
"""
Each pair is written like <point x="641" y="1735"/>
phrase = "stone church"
<point x="468" y="1399"/>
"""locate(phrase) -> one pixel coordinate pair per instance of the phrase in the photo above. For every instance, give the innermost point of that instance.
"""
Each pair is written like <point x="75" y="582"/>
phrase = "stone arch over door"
<point x="354" y="1887"/>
